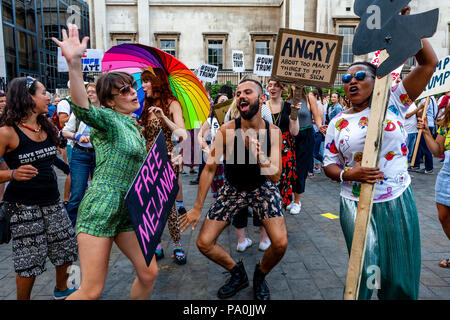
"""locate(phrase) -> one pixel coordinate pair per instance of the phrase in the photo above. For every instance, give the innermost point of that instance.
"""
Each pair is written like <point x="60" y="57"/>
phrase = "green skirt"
<point x="393" y="259"/>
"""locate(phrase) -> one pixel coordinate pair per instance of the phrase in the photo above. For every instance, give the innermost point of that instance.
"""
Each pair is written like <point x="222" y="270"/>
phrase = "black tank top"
<point x="246" y="176"/>
<point x="42" y="189"/>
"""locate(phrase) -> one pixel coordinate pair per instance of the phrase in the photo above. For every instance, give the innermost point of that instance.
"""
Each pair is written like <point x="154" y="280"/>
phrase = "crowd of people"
<point x="257" y="171"/>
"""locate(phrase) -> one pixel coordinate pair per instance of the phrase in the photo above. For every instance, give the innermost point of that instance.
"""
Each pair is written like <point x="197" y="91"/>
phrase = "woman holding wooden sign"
<point x="103" y="216"/>
<point x="393" y="243"/>
<point x="438" y="147"/>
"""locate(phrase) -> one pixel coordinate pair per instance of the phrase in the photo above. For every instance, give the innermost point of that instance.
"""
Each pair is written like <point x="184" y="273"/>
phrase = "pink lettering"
<point x="138" y="188"/>
<point x="145" y="177"/>
<point x="156" y="156"/>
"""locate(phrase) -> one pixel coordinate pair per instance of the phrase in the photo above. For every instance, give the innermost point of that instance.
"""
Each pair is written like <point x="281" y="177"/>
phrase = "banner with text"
<point x="440" y="81"/>
<point x="307" y="58"/>
<point x="207" y="73"/>
<point x="263" y="65"/>
<point x="151" y="197"/>
<point x="238" y="61"/>
<point x="90" y="62"/>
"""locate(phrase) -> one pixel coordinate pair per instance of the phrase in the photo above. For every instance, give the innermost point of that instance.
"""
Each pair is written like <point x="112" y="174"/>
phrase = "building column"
<point x="2" y="53"/>
<point x="297" y="15"/>
<point x="101" y="31"/>
<point x="144" y="22"/>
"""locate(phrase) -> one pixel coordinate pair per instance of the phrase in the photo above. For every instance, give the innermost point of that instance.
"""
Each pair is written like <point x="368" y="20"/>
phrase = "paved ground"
<point x="314" y="266"/>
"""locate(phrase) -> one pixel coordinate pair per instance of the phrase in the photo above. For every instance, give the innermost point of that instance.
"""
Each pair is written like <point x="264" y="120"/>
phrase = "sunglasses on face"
<point x="125" y="90"/>
<point x="360" y="75"/>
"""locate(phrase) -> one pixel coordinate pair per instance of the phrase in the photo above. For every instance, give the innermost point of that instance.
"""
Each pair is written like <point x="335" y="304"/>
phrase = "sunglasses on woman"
<point x="360" y="75"/>
<point x="125" y="90"/>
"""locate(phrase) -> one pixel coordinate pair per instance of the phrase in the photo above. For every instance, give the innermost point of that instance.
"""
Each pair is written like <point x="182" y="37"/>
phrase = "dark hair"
<point x="227" y="91"/>
<point x="373" y="68"/>
<point x="2" y="94"/>
<point x="261" y="90"/>
<point x="337" y="93"/>
<point x="20" y="104"/>
<point x="160" y="84"/>
<point x="107" y="81"/>
<point x="318" y="93"/>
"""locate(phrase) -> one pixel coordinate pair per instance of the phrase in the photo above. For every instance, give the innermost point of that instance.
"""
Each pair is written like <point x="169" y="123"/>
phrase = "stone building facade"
<point x="207" y="31"/>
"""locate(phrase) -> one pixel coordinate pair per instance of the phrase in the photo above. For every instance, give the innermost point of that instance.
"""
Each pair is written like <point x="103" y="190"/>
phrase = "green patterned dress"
<point x="119" y="152"/>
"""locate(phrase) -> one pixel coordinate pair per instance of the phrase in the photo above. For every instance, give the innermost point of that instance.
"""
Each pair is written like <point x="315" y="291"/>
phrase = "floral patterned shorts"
<point x="265" y="201"/>
<point x="39" y="232"/>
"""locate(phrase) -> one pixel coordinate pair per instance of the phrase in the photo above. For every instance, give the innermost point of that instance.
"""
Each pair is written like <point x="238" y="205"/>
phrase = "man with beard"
<point x="249" y="182"/>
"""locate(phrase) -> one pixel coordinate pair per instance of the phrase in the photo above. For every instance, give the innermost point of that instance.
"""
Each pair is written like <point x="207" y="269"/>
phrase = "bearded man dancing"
<point x="250" y="181"/>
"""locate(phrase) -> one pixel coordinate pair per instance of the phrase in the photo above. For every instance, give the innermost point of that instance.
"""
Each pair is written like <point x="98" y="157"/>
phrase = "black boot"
<point x="235" y="283"/>
<point x="260" y="288"/>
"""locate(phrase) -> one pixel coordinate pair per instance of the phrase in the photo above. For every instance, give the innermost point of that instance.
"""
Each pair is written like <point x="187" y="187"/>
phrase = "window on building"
<point x="8" y="15"/>
<point x="215" y="53"/>
<point x="168" y="46"/>
<point x="122" y="41"/>
<point x="347" y="45"/>
<point x="262" y="47"/>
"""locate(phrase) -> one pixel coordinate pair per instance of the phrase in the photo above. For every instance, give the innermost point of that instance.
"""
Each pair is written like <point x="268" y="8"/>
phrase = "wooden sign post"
<point x="419" y="135"/>
<point x="372" y="148"/>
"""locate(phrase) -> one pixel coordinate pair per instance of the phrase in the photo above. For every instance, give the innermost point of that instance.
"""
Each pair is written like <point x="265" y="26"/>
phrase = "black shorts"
<point x="265" y="201"/>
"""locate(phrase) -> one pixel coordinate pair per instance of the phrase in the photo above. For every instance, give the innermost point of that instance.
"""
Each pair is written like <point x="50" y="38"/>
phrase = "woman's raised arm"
<point x="73" y="50"/>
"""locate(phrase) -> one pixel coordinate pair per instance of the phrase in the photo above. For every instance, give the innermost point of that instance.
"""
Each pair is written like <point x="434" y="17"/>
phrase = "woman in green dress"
<point x="120" y="150"/>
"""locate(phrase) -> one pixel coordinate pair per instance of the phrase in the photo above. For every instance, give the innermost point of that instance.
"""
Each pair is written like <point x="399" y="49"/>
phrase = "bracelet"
<point x="12" y="174"/>
<point x="340" y="176"/>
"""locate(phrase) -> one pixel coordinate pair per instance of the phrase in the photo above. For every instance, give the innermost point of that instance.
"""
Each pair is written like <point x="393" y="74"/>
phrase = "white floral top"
<point x="345" y="140"/>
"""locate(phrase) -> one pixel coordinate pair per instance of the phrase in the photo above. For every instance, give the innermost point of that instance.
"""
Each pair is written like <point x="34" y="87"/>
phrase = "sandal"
<point x="446" y="263"/>
<point x="178" y="255"/>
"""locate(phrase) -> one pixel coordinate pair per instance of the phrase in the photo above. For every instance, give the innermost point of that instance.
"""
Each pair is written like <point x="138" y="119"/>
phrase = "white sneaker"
<point x="264" y="245"/>
<point x="244" y="245"/>
<point x="296" y="208"/>
<point x="289" y="207"/>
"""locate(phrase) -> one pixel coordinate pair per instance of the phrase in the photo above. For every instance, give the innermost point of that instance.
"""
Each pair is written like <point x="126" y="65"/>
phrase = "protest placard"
<point x="90" y="62"/>
<point x="207" y="73"/>
<point x="395" y="74"/>
<point x="221" y="109"/>
<point x="263" y="65"/>
<point x="307" y="58"/>
<point x="238" y="61"/>
<point x="151" y="197"/>
<point x="440" y="81"/>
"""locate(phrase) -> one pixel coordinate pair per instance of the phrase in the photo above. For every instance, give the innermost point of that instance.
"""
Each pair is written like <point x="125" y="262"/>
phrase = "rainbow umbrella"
<point x="189" y="91"/>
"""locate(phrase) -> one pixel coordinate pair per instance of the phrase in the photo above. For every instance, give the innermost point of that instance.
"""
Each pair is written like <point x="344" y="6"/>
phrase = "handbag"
<point x="5" y="230"/>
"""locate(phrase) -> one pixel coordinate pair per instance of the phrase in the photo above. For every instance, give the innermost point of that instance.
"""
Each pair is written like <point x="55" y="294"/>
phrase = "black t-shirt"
<point x="42" y="189"/>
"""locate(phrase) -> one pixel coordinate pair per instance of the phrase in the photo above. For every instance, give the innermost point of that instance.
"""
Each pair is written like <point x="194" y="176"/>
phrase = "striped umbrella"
<point x="189" y="91"/>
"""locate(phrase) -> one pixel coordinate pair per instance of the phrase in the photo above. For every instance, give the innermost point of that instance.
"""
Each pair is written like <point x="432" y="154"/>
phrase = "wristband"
<point x="12" y="174"/>
<point x="340" y="176"/>
<point x="78" y="137"/>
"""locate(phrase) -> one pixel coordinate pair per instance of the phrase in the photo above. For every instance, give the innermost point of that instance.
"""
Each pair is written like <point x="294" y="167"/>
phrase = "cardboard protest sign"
<point x="440" y="81"/>
<point x="151" y="197"/>
<point x="263" y="65"/>
<point x="221" y="109"/>
<point x="90" y="62"/>
<point x="238" y="61"/>
<point x="307" y="58"/>
<point x="207" y="73"/>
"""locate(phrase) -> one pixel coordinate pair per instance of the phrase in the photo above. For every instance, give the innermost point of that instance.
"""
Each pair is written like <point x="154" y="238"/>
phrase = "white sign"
<point x="263" y="65"/>
<point x="207" y="73"/>
<point x="91" y="61"/>
<point x="238" y="61"/>
<point x="395" y="74"/>
<point x="440" y="81"/>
